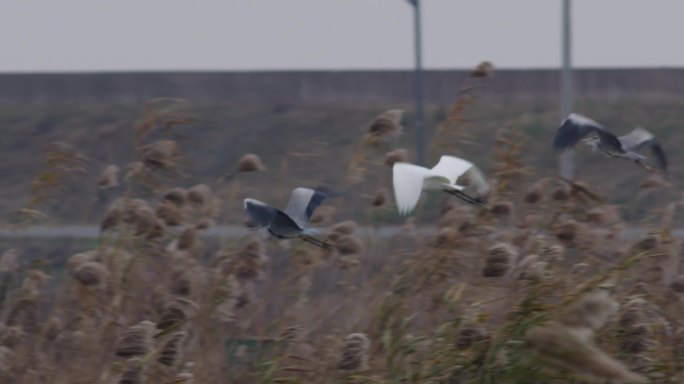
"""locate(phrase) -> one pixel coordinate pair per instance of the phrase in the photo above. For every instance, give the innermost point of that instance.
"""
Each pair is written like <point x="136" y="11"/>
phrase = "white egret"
<point x="452" y="175"/>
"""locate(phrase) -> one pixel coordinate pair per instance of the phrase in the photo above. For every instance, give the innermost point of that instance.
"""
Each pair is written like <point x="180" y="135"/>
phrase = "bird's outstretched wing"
<point x="261" y="214"/>
<point x="407" y="180"/>
<point x="475" y="183"/>
<point x="451" y="167"/>
<point x="660" y="156"/>
<point x="636" y="139"/>
<point x="304" y="201"/>
<point x="640" y="138"/>
<point x="574" y="127"/>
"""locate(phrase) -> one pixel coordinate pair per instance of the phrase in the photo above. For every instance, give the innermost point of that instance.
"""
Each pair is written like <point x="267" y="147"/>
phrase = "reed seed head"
<point x="250" y="163"/>
<point x="91" y="274"/>
<point x="176" y="196"/>
<point x="469" y="334"/>
<point x="484" y="69"/>
<point x="399" y="155"/>
<point x="187" y="239"/>
<point x="502" y="208"/>
<point x="500" y="258"/>
<point x="348" y="245"/>
<point x="172" y="352"/>
<point x="677" y="284"/>
<point x="200" y="195"/>
<point x="355" y="353"/>
<point x="169" y="213"/>
<point x="162" y="155"/>
<point x="380" y="198"/>
<point x="109" y="177"/>
<point x="133" y="372"/>
<point x="136" y="340"/>
<point x="386" y="125"/>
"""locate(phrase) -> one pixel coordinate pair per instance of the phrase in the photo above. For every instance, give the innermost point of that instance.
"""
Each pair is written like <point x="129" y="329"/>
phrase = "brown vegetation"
<point x="540" y="288"/>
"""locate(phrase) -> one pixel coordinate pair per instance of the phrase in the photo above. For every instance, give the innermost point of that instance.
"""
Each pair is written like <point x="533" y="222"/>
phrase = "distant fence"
<point x="322" y="87"/>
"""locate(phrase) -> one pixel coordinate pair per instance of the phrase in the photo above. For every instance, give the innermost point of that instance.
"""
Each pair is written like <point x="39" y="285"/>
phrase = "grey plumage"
<point x="294" y="221"/>
<point x="640" y="138"/>
<point x="576" y="128"/>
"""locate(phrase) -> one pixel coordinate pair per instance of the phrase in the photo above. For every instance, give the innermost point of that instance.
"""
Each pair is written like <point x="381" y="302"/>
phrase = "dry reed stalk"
<point x="592" y="311"/>
<point x="161" y="114"/>
<point x="61" y="162"/>
<point x="573" y="349"/>
<point x="453" y="129"/>
<point x="9" y="261"/>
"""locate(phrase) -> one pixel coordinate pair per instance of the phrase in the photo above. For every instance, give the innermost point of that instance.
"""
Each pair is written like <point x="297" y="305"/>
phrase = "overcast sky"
<point x="116" y="35"/>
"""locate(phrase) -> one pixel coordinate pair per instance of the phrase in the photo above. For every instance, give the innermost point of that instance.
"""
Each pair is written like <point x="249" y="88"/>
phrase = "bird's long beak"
<point x="317" y="242"/>
<point x="468" y="199"/>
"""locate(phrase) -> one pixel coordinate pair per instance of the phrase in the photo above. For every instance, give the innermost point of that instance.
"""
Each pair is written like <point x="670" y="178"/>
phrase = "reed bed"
<point x="542" y="287"/>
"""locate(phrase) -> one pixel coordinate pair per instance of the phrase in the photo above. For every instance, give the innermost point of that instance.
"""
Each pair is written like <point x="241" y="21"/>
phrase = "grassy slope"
<point x="314" y="144"/>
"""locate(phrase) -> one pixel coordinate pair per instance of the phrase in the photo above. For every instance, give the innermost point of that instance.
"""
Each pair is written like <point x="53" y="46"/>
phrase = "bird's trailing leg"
<point x="317" y="242"/>
<point x="648" y="168"/>
<point x="468" y="199"/>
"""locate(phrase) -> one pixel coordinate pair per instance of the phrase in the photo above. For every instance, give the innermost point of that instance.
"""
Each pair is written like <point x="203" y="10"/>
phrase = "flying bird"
<point x="294" y="222"/>
<point x="452" y="175"/>
<point x="576" y="127"/>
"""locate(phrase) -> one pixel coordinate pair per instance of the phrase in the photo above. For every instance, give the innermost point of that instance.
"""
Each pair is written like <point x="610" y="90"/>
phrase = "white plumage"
<point x="453" y="175"/>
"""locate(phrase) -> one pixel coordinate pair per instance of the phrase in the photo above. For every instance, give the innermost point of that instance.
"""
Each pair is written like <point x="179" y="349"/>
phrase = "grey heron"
<point x="452" y="175"/>
<point x="294" y="221"/>
<point x="575" y="128"/>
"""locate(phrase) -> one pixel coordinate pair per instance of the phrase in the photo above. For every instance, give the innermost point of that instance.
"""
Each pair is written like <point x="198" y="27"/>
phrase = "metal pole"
<point x="567" y="166"/>
<point x="420" y="132"/>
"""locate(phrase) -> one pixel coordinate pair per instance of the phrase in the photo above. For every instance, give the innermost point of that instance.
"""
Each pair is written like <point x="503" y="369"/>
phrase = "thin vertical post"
<point x="567" y="166"/>
<point x="420" y="131"/>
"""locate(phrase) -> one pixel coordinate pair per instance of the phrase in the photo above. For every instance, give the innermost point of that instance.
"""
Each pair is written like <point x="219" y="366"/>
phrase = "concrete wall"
<point x="314" y="87"/>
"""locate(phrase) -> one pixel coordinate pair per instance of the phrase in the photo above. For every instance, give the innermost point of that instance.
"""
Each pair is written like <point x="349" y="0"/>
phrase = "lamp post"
<point x="420" y="132"/>
<point x="567" y="166"/>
